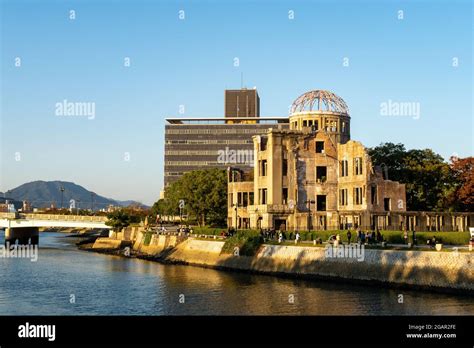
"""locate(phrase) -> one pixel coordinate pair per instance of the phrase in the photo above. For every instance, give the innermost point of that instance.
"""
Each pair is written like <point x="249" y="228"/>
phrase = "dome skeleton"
<point x="319" y="101"/>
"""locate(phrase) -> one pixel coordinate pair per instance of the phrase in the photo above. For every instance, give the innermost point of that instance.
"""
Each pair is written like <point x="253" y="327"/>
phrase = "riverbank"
<point x="429" y="270"/>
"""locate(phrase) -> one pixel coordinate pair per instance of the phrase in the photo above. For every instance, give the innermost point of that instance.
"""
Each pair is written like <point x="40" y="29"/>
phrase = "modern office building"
<point x="217" y="142"/>
<point x="313" y="176"/>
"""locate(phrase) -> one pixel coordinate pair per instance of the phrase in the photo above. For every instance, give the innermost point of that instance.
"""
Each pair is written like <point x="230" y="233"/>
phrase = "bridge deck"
<point x="12" y="220"/>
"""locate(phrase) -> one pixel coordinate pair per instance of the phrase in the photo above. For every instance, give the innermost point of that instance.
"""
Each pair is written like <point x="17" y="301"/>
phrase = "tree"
<point x="462" y="196"/>
<point x="158" y="208"/>
<point x="391" y="157"/>
<point x="204" y="193"/>
<point x="118" y="220"/>
<point x="427" y="178"/>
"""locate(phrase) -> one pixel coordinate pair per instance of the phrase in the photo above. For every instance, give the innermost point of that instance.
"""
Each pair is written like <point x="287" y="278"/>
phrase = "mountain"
<point x="42" y="194"/>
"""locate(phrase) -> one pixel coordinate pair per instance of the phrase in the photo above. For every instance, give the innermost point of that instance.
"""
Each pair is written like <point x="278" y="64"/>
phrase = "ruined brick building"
<point x="313" y="176"/>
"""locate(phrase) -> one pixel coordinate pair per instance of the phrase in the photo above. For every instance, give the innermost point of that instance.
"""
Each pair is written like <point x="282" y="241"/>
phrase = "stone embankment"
<point x="445" y="270"/>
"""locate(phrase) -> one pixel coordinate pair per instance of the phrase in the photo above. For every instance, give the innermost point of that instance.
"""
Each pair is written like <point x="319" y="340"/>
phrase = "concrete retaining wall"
<point x="428" y="269"/>
<point x="445" y="270"/>
<point x="158" y="243"/>
<point x="107" y="244"/>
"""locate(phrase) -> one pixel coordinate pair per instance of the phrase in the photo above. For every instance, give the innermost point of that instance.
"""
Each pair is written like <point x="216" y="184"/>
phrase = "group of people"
<point x="366" y="237"/>
<point x="185" y="229"/>
<point x="272" y="234"/>
<point x="405" y="236"/>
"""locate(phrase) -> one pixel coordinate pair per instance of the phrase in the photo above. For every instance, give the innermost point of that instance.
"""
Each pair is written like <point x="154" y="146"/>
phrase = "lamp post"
<point x="62" y="195"/>
<point x="92" y="201"/>
<point x="236" y="205"/>
<point x="181" y="206"/>
<point x="310" y="221"/>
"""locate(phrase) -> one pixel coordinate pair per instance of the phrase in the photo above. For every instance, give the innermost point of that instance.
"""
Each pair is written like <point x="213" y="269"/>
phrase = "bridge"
<point x="24" y="228"/>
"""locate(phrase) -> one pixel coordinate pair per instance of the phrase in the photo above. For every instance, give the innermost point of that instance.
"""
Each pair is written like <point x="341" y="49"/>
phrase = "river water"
<point x="66" y="281"/>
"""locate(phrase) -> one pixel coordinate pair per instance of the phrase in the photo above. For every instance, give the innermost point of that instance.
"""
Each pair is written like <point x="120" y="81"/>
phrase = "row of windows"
<point x="212" y="141"/>
<point x="357" y="167"/>
<point x="191" y="152"/>
<point x="173" y="173"/>
<point x="321" y="171"/>
<point x="216" y="131"/>
<point x="191" y="163"/>
<point x="331" y="126"/>
<point x="244" y="199"/>
<point x="357" y="196"/>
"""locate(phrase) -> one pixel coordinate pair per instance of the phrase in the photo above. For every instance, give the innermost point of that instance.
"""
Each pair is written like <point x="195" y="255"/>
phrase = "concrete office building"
<point x="213" y="142"/>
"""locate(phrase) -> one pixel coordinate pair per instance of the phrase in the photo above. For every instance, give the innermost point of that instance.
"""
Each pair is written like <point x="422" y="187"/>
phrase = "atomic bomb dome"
<point x="321" y="111"/>
<point x="320" y="101"/>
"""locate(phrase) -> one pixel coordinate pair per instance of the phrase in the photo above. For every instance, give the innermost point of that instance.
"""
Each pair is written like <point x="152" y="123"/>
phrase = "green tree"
<point x="427" y="177"/>
<point x="158" y="208"/>
<point x="204" y="193"/>
<point x="118" y="220"/>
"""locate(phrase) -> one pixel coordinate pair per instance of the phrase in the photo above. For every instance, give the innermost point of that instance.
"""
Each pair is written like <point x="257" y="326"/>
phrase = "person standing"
<point x="405" y="236"/>
<point x="379" y="236"/>
<point x="349" y="236"/>
<point x="297" y="238"/>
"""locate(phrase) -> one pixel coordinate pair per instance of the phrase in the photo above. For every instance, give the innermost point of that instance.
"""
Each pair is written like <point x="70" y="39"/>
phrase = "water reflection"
<point x="103" y="284"/>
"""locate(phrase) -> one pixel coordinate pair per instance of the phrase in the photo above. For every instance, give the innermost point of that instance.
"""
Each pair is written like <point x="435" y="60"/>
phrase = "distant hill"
<point x="42" y="194"/>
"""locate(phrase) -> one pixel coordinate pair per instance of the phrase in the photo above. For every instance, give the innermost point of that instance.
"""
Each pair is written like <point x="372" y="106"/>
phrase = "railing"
<point x="80" y="218"/>
<point x="8" y="215"/>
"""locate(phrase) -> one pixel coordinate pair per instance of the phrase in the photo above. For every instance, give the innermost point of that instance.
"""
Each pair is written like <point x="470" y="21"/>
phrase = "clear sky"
<point x="118" y="153"/>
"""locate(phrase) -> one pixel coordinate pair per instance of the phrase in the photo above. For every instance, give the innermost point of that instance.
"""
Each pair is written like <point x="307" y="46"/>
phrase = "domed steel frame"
<point x="320" y="101"/>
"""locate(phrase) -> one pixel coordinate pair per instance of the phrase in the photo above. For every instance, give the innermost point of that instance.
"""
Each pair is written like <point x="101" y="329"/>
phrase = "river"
<point x="67" y="281"/>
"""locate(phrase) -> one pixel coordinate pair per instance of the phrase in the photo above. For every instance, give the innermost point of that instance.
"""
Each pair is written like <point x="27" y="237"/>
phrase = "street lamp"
<point x="62" y="195"/>
<point x="236" y="205"/>
<point x="92" y="201"/>
<point x="181" y="206"/>
<point x="310" y="221"/>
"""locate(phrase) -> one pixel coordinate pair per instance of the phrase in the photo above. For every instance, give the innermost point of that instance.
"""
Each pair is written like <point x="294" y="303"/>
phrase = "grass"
<point x="147" y="239"/>
<point x="248" y="243"/>
<point x="391" y="237"/>
<point x="209" y="230"/>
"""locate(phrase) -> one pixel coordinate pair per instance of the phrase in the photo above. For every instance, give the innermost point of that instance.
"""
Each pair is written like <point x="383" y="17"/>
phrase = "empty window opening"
<point x="321" y="202"/>
<point x="321" y="174"/>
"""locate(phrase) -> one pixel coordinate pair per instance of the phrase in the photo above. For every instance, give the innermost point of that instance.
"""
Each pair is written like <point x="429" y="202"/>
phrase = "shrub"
<point x="147" y="239"/>
<point x="209" y="230"/>
<point x="247" y="241"/>
<point x="448" y="238"/>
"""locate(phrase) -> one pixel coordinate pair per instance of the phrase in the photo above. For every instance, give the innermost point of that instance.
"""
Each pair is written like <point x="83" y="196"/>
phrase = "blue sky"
<point x="190" y="62"/>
